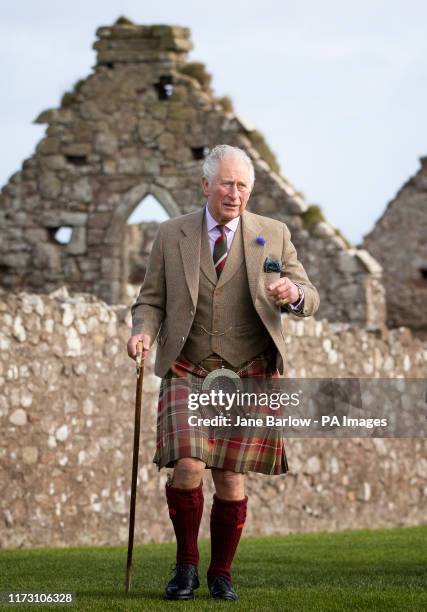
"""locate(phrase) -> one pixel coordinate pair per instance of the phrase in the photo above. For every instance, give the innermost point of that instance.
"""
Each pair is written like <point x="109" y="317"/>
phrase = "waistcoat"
<point x="225" y="310"/>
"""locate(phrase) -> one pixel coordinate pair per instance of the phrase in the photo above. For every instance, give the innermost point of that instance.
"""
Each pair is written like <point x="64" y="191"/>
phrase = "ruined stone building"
<point x="136" y="129"/>
<point x="399" y="242"/>
<point x="140" y="125"/>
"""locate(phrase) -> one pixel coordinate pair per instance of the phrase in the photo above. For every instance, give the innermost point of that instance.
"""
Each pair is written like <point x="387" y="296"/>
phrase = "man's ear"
<point x="205" y="186"/>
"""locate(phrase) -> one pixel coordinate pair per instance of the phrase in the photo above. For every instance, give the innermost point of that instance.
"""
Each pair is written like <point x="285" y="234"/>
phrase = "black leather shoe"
<point x="183" y="582"/>
<point x="221" y="588"/>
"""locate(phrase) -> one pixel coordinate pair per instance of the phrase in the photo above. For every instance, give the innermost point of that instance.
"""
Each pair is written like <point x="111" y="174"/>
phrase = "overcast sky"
<point x="339" y="89"/>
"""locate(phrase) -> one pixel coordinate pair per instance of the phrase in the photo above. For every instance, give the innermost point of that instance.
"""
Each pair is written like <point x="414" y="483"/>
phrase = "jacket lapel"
<point x="189" y="245"/>
<point x="254" y="252"/>
<point x="206" y="259"/>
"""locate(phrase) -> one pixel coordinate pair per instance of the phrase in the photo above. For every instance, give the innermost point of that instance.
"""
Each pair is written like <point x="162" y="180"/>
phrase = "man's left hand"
<point x="284" y="291"/>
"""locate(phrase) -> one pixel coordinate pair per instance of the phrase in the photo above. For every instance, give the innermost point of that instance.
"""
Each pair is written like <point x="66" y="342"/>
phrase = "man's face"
<point x="229" y="191"/>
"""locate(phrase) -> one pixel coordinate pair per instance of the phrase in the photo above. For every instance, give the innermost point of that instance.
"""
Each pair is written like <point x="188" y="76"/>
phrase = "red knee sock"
<point x="185" y="511"/>
<point x="227" y="520"/>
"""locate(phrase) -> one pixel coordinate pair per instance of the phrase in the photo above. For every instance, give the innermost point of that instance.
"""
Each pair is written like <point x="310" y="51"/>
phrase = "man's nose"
<point x="233" y="192"/>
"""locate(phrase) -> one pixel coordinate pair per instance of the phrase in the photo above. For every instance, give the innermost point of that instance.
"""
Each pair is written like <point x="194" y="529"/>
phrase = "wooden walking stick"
<point x="140" y="376"/>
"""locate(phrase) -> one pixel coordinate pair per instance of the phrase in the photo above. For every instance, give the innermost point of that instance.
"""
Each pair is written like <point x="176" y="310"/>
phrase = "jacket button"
<point x="183" y="339"/>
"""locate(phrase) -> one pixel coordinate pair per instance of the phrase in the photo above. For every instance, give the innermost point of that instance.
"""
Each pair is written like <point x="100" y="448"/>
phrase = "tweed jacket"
<point x="166" y="304"/>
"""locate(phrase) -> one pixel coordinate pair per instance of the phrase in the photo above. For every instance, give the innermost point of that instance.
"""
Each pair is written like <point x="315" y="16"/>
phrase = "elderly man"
<point x="210" y="302"/>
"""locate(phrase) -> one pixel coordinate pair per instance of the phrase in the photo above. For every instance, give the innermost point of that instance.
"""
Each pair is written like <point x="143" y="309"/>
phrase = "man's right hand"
<point x="133" y="341"/>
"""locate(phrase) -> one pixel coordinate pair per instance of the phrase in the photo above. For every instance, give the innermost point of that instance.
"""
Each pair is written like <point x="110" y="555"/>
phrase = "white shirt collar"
<point x="211" y="222"/>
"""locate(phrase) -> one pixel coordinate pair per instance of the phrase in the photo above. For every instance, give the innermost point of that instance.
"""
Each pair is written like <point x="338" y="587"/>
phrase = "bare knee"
<point x="188" y="473"/>
<point x="228" y="484"/>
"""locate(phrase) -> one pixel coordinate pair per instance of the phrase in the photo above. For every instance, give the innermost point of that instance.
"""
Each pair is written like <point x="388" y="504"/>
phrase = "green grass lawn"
<point x="358" y="570"/>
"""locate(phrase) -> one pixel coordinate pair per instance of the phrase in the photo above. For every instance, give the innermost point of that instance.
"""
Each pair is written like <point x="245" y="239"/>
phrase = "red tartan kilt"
<point x="177" y="439"/>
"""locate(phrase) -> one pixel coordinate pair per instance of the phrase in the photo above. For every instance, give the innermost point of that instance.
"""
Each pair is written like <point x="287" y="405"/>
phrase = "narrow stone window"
<point x="164" y="87"/>
<point x="199" y="152"/>
<point x="142" y="227"/>
<point x="76" y="160"/>
<point x="423" y="272"/>
<point x="61" y="234"/>
<point x="149" y="209"/>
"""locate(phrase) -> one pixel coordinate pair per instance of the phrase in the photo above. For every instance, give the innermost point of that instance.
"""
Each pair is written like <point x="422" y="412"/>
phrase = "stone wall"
<point x="66" y="415"/>
<point x="399" y="242"/>
<point x="140" y="124"/>
<point x="136" y="250"/>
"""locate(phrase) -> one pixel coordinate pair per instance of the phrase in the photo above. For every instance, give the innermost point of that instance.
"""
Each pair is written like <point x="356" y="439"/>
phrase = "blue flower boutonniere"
<point x="273" y="265"/>
<point x="261" y="240"/>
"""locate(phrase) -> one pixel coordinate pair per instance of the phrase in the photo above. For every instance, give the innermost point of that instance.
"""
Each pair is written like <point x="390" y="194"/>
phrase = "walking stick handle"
<point x="138" y="356"/>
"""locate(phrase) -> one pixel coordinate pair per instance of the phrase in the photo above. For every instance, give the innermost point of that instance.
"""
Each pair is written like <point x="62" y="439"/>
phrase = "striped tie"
<point x="220" y="251"/>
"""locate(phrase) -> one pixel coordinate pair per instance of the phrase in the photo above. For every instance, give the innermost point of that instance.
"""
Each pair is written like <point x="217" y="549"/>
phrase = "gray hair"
<point x="210" y="165"/>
